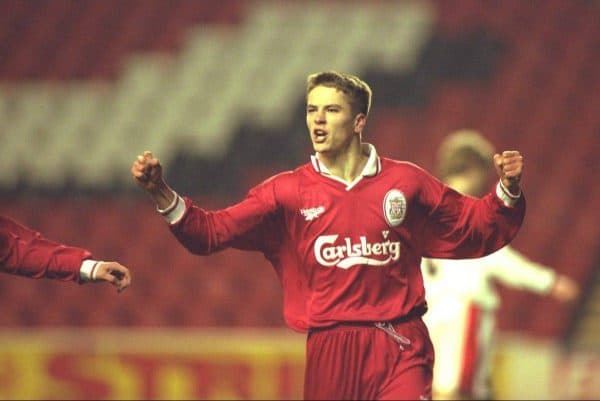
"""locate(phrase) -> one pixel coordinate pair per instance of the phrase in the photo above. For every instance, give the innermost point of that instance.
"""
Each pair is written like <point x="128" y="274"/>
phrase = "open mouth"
<point x="319" y="135"/>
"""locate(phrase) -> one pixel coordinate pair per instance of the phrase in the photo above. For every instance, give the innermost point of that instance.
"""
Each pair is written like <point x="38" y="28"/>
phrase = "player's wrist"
<point x="89" y="269"/>
<point x="173" y="212"/>
<point x="511" y="188"/>
<point x="505" y="196"/>
<point x="163" y="196"/>
<point x="168" y="203"/>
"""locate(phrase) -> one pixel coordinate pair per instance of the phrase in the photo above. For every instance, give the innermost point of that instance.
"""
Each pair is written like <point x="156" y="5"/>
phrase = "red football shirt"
<point x="26" y="252"/>
<point x="351" y="251"/>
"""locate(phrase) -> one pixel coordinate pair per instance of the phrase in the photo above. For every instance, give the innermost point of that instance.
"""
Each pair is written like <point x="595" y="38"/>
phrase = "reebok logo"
<point x="312" y="213"/>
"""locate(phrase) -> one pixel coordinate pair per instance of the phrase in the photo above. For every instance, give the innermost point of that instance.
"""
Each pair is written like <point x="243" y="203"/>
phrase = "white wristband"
<point x="175" y="211"/>
<point x="172" y="206"/>
<point x="505" y="196"/>
<point x="88" y="269"/>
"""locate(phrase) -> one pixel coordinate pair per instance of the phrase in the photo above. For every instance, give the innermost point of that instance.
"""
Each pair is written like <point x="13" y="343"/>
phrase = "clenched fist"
<point x="147" y="173"/>
<point x="113" y="272"/>
<point x="509" y="166"/>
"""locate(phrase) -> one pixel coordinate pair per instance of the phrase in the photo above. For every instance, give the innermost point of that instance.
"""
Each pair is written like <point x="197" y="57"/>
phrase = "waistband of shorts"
<point x="414" y="313"/>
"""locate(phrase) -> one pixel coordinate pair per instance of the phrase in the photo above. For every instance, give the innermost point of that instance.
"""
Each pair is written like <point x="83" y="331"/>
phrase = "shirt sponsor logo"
<point x="312" y="213"/>
<point x="348" y="254"/>
<point x="394" y="207"/>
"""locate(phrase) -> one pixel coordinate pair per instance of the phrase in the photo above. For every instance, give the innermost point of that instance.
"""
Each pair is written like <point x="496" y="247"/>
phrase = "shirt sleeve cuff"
<point x="548" y="281"/>
<point x="505" y="196"/>
<point x="87" y="271"/>
<point x="175" y="211"/>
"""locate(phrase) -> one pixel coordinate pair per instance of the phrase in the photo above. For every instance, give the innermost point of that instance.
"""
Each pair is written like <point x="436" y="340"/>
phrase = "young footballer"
<point x="345" y="233"/>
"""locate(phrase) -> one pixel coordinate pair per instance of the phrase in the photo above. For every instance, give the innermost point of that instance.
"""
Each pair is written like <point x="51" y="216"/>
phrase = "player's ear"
<point x="359" y="122"/>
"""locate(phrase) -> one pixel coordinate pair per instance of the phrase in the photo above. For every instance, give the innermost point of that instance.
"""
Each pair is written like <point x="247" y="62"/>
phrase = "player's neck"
<point x="346" y="165"/>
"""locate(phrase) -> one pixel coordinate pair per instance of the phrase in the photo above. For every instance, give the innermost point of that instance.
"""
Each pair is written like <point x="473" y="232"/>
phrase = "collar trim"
<point x="371" y="169"/>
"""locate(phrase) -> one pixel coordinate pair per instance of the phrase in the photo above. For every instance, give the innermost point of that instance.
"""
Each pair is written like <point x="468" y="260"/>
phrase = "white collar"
<point x="371" y="169"/>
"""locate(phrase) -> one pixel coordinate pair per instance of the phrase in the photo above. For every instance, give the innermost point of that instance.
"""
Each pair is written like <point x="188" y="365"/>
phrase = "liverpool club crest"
<point x="394" y="207"/>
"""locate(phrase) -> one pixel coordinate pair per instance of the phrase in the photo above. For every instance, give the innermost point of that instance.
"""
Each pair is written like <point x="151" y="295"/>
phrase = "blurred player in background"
<point x="460" y="294"/>
<point x="25" y="252"/>
<point x="345" y="234"/>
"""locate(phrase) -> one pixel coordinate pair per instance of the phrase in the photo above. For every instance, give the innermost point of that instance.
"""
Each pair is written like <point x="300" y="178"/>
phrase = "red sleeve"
<point x="461" y="226"/>
<point x="247" y="225"/>
<point x="25" y="252"/>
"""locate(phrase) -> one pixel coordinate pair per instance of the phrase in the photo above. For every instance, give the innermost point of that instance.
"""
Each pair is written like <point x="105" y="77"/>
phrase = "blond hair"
<point x="462" y="150"/>
<point x="358" y="91"/>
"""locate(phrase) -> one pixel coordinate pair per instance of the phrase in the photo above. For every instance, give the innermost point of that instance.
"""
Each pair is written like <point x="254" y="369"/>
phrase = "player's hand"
<point x="114" y="273"/>
<point x="565" y="289"/>
<point x="509" y="166"/>
<point x="147" y="172"/>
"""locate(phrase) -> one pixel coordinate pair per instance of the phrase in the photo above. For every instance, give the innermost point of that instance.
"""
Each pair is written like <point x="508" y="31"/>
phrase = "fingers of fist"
<point x="114" y="273"/>
<point x="144" y="165"/>
<point x="509" y="163"/>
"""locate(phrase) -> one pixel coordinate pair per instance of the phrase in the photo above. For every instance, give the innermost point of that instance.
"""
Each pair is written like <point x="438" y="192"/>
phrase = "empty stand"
<point x="156" y="88"/>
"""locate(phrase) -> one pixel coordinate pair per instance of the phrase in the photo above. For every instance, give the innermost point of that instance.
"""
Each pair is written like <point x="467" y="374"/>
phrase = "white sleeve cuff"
<point x="548" y="280"/>
<point x="175" y="211"/>
<point x="87" y="271"/>
<point x="505" y="196"/>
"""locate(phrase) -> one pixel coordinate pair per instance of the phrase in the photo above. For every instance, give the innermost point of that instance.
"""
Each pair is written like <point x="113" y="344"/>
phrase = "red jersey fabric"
<point x="25" y="252"/>
<point x="352" y="252"/>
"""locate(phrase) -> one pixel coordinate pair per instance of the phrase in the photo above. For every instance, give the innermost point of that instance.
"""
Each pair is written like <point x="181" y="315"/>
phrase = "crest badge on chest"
<point x="394" y="207"/>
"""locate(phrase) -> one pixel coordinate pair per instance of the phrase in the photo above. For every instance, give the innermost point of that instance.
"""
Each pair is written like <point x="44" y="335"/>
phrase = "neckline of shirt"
<point x="371" y="169"/>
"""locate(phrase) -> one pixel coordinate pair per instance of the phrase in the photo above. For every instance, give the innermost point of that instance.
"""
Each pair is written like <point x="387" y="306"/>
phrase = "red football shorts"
<point x="365" y="362"/>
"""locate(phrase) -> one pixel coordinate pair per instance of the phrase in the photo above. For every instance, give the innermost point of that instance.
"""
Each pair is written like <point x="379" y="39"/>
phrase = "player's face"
<point x="330" y="120"/>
